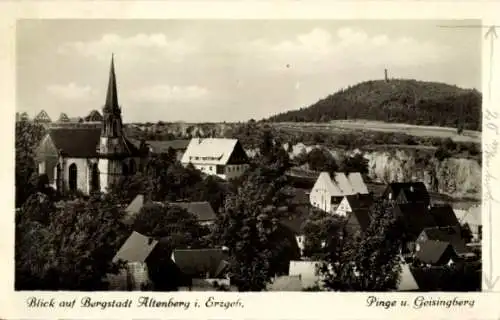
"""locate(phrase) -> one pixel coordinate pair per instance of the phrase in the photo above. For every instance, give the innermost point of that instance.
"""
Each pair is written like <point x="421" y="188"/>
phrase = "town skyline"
<point x="202" y="71"/>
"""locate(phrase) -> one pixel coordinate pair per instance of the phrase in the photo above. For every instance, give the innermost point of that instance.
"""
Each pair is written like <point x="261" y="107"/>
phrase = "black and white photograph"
<point x="248" y="155"/>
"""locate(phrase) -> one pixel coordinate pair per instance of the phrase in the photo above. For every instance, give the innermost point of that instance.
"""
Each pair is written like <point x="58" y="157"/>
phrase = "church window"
<point x="95" y="182"/>
<point x="73" y="177"/>
<point x="132" y="168"/>
<point x="124" y="169"/>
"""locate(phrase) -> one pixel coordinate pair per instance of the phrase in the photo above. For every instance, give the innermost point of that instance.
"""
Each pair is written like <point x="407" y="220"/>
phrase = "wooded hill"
<point x="396" y="100"/>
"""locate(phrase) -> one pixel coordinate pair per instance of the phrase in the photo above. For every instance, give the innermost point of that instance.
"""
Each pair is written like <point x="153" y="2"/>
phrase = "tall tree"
<point x="369" y="261"/>
<point x="247" y="226"/>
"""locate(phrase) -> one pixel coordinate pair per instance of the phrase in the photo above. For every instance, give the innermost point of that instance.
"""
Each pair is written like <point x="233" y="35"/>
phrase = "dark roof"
<point x="449" y="235"/>
<point x="111" y="105"/>
<point x="415" y="217"/>
<point x="360" y="201"/>
<point x="414" y="191"/>
<point x="136" y="248"/>
<point x="432" y="251"/>
<point x="200" y="262"/>
<point x="94" y="115"/>
<point x="444" y="216"/>
<point x="202" y="210"/>
<point x="163" y="146"/>
<point x="428" y="279"/>
<point x="362" y="216"/>
<point x="81" y="142"/>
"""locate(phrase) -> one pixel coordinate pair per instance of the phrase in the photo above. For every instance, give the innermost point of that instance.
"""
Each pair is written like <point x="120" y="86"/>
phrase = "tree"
<point x="355" y="163"/>
<point x="28" y="136"/>
<point x="248" y="225"/>
<point x="466" y="233"/>
<point x="320" y="230"/>
<point x="321" y="160"/>
<point x="75" y="250"/>
<point x="366" y="261"/>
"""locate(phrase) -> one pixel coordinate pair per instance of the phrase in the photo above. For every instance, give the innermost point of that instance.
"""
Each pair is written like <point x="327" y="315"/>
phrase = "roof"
<point x="448" y="235"/>
<point x="431" y="251"/>
<point x="42" y="117"/>
<point x="343" y="183"/>
<point x="362" y="216"/>
<point x="164" y="146"/>
<point x="202" y="210"/>
<point x="200" y="262"/>
<point x="407" y="281"/>
<point x="325" y="182"/>
<point x="216" y="151"/>
<point x="360" y="201"/>
<point x="416" y="217"/>
<point x="94" y="115"/>
<point x="472" y="216"/>
<point x="135" y="206"/>
<point x="81" y="142"/>
<point x="63" y="117"/>
<point x="444" y="215"/>
<point x="286" y="283"/>
<point x="136" y="248"/>
<point x="357" y="182"/>
<point x="414" y="191"/>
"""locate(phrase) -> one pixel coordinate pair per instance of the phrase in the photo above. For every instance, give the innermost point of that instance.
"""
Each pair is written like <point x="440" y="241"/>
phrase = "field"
<point x="366" y="125"/>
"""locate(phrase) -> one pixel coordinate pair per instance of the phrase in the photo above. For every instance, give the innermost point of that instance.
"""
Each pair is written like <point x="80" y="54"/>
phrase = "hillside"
<point x="396" y="101"/>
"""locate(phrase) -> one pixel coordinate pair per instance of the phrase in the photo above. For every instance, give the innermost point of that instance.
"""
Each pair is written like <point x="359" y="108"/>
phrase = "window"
<point x="210" y="168"/>
<point x="219" y="169"/>
<point x="73" y="177"/>
<point x="390" y="196"/>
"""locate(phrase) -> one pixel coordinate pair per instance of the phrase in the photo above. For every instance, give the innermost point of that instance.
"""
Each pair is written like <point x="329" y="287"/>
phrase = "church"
<point x="90" y="157"/>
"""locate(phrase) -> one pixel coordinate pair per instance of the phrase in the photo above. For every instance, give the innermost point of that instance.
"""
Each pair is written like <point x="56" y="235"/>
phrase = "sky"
<point x="228" y="70"/>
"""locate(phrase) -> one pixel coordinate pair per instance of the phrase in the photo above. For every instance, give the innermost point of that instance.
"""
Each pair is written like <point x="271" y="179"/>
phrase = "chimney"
<point x="385" y="76"/>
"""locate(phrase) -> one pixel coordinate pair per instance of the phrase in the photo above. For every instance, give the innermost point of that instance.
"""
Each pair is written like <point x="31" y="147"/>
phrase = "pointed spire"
<point x="112" y="93"/>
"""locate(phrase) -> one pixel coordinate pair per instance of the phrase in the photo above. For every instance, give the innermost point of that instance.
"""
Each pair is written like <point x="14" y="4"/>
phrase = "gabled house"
<point x="444" y="216"/>
<point x="63" y="117"/>
<point x="327" y="193"/>
<point x="446" y="235"/>
<point x="134" y="252"/>
<point x="407" y="192"/>
<point x="93" y="116"/>
<point x="351" y="203"/>
<point x="42" y="117"/>
<point x="202" y="269"/>
<point x="201" y="209"/>
<point x="435" y="253"/>
<point x="224" y="158"/>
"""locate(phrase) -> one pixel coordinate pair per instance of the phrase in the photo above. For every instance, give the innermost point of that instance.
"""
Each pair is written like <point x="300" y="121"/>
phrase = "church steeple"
<point x="112" y="120"/>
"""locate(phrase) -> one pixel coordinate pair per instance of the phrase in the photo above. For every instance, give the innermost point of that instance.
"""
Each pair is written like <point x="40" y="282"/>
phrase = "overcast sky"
<point x="228" y="70"/>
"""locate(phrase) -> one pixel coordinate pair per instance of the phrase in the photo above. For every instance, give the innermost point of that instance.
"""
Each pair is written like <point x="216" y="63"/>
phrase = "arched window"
<point x="59" y="177"/>
<point x="124" y="169"/>
<point x="73" y="177"/>
<point x="132" y="166"/>
<point x="94" y="178"/>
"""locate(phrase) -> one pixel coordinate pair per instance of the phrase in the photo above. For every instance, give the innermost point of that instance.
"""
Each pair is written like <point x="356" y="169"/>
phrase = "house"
<point x="415" y="217"/>
<point x="446" y="235"/>
<point x="351" y="203"/>
<point x="134" y="253"/>
<point x="202" y="269"/>
<point x="201" y="209"/>
<point x="407" y="192"/>
<point x="308" y="272"/>
<point x="63" y="117"/>
<point x="93" y="116"/>
<point x="42" y="117"/>
<point x="434" y="253"/>
<point x="224" y="158"/>
<point x="163" y="147"/>
<point x="327" y="193"/>
<point x="89" y="157"/>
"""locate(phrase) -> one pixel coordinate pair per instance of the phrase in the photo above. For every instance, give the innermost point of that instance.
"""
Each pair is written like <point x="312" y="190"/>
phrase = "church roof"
<point x="111" y="104"/>
<point x="81" y="142"/>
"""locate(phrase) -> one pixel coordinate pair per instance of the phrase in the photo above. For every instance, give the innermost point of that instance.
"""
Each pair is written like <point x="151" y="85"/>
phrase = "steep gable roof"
<point x="324" y="181"/>
<point x="42" y="117"/>
<point x="444" y="216"/>
<point x="431" y="251"/>
<point x="415" y="217"/>
<point x="357" y="183"/>
<point x="94" y="116"/>
<point x="200" y="262"/>
<point x="164" y="146"/>
<point x="134" y="207"/>
<point x="63" y="117"/>
<point x="359" y="217"/>
<point x="472" y="216"/>
<point x="407" y="281"/>
<point x="201" y="209"/>
<point x="414" y="191"/>
<point x="448" y="235"/>
<point x="216" y="151"/>
<point x="362" y="201"/>
<point x="136" y="248"/>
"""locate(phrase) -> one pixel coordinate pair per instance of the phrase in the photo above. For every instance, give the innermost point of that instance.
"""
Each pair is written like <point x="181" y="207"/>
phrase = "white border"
<point x="257" y="305"/>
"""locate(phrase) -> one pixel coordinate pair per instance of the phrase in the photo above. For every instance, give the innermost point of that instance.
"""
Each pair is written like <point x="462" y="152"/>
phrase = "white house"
<point x="327" y="193"/>
<point x="224" y="158"/>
